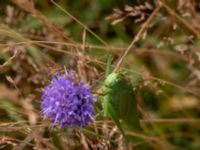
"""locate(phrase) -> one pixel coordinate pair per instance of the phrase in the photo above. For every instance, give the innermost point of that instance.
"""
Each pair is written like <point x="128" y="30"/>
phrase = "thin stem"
<point x="80" y="23"/>
<point x="136" y="38"/>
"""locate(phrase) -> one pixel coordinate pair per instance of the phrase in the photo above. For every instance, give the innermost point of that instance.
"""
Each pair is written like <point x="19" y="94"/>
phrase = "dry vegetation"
<point x="155" y="42"/>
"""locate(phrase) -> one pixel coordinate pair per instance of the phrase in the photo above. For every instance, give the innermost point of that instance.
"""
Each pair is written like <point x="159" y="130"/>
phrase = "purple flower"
<point x="68" y="103"/>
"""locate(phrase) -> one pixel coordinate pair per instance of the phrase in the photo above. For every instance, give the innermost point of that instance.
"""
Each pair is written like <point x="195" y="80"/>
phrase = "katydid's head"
<point x="112" y="79"/>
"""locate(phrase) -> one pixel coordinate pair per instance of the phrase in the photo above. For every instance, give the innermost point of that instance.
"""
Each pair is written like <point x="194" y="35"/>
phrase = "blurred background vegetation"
<point x="37" y="38"/>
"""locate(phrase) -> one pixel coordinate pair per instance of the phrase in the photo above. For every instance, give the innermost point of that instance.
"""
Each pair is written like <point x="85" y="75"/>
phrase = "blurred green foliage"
<point x="163" y="67"/>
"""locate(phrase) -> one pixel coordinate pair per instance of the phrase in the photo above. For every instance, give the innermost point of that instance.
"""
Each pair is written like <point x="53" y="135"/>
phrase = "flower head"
<point x="68" y="103"/>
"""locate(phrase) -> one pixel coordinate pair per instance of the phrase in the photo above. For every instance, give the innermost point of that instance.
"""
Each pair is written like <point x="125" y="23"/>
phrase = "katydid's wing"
<point x="128" y="109"/>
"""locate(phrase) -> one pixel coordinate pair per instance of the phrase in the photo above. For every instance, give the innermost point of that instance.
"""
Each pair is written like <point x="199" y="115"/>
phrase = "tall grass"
<point x="156" y="44"/>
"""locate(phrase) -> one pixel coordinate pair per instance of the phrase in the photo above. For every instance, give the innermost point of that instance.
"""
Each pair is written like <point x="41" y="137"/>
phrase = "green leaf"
<point x="10" y="109"/>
